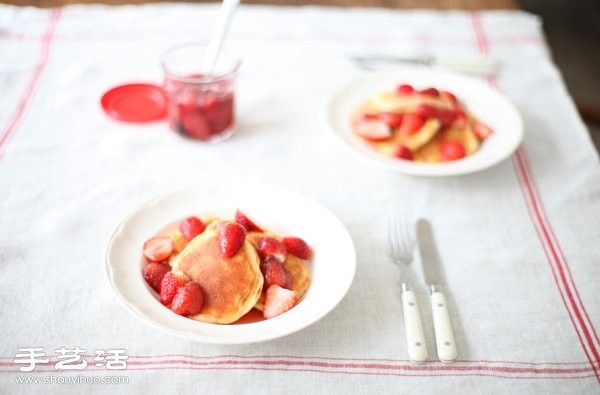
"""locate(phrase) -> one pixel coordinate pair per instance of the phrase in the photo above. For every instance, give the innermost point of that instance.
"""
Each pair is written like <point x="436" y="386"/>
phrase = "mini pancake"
<point x="295" y="266"/>
<point x="297" y="269"/>
<point x="432" y="152"/>
<point x="231" y="285"/>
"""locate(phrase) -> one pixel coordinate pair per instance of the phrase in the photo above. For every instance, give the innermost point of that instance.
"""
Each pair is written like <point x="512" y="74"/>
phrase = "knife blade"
<point x="470" y="64"/>
<point x="434" y="278"/>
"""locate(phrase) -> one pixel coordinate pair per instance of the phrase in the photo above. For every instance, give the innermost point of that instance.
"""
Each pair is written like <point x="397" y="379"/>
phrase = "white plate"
<point x="283" y="211"/>
<point x="487" y="104"/>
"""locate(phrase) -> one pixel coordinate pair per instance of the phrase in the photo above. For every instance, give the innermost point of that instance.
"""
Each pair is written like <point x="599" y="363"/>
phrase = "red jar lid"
<point x="135" y="103"/>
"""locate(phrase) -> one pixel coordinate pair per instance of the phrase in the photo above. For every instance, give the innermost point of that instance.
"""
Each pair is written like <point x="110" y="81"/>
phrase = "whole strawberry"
<point x="168" y="287"/>
<point x="231" y="237"/>
<point x="153" y="274"/>
<point x="188" y="299"/>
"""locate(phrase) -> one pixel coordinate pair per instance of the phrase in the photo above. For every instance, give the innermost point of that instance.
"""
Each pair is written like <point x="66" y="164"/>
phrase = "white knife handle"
<point x="444" y="335"/>
<point x="415" y="338"/>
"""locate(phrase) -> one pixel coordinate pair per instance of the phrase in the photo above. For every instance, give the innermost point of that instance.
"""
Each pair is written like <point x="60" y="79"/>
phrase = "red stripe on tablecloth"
<point x="10" y="128"/>
<point x="556" y="244"/>
<point x="546" y="235"/>
<point x="285" y="361"/>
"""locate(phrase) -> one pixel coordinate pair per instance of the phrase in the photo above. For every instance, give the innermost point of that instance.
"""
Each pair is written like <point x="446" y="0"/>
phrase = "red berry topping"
<point x="411" y="123"/>
<point x="188" y="299"/>
<point x="426" y="110"/>
<point x="278" y="300"/>
<point x="446" y="117"/>
<point x="274" y="273"/>
<point x="449" y="96"/>
<point x="402" y="152"/>
<point x="481" y="131"/>
<point x="391" y="119"/>
<point x="191" y="227"/>
<point x="405" y="89"/>
<point x="270" y="246"/>
<point x="297" y="246"/>
<point x="368" y="117"/>
<point x="169" y="285"/>
<point x="231" y="237"/>
<point x="158" y="248"/>
<point x="373" y="130"/>
<point x="461" y="118"/>
<point x="153" y="274"/>
<point x="430" y="92"/>
<point x="246" y="222"/>
<point x="452" y="150"/>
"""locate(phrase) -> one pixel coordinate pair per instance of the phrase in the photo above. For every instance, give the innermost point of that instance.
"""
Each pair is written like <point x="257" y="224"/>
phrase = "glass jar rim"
<point x="201" y="79"/>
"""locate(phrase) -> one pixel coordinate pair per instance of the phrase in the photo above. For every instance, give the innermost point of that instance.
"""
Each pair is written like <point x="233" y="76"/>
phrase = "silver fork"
<point x="401" y="244"/>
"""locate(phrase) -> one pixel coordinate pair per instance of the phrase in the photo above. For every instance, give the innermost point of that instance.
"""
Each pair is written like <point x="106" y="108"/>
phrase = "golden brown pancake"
<point x="432" y="152"/>
<point x="231" y="285"/>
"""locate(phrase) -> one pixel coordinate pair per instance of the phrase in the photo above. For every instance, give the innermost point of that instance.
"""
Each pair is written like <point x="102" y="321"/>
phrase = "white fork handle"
<point x="415" y="338"/>
<point x="444" y="335"/>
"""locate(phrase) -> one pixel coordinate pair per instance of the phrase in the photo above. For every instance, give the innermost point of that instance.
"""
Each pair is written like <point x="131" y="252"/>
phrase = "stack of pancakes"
<point x="425" y="143"/>
<point x="232" y="286"/>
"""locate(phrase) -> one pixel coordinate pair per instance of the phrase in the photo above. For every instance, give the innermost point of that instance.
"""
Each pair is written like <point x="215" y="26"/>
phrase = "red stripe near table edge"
<point x="559" y="265"/>
<point x="9" y="130"/>
<point x="551" y="246"/>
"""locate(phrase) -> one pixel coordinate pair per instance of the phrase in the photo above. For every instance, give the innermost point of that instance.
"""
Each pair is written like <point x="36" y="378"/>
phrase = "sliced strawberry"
<point x="449" y="96"/>
<point x="270" y="246"/>
<point x="426" y="110"/>
<point x="461" y="118"/>
<point x="368" y="117"/>
<point x="373" y="130"/>
<point x="405" y="89"/>
<point x="411" y="123"/>
<point x="391" y="119"/>
<point x="297" y="246"/>
<point x="191" y="227"/>
<point x="446" y="117"/>
<point x="188" y="299"/>
<point x="246" y="222"/>
<point x="278" y="300"/>
<point x="481" y="130"/>
<point x="430" y="92"/>
<point x="402" y="152"/>
<point x="153" y="274"/>
<point x="231" y="237"/>
<point x="158" y="248"/>
<point x="452" y="150"/>
<point x="274" y="273"/>
<point x="169" y="285"/>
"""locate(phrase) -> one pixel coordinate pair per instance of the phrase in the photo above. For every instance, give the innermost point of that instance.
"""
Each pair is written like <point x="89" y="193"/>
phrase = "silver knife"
<point x="481" y="65"/>
<point x="433" y="271"/>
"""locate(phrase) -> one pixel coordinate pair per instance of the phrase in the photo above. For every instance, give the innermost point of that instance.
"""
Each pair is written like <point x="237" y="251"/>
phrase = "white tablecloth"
<point x="520" y="240"/>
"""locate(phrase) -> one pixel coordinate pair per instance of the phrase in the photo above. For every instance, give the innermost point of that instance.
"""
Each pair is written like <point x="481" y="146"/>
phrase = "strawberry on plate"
<point x="298" y="247"/>
<point x="157" y="249"/>
<point x="411" y="123"/>
<point x="452" y="150"/>
<point x="246" y="222"/>
<point x="278" y="300"/>
<point x="403" y="152"/>
<point x="188" y="299"/>
<point x="375" y="130"/>
<point x="270" y="246"/>
<point x="481" y="130"/>
<point x="153" y="274"/>
<point x="231" y="237"/>
<point x="191" y="227"/>
<point x="274" y="273"/>
<point x="169" y="285"/>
